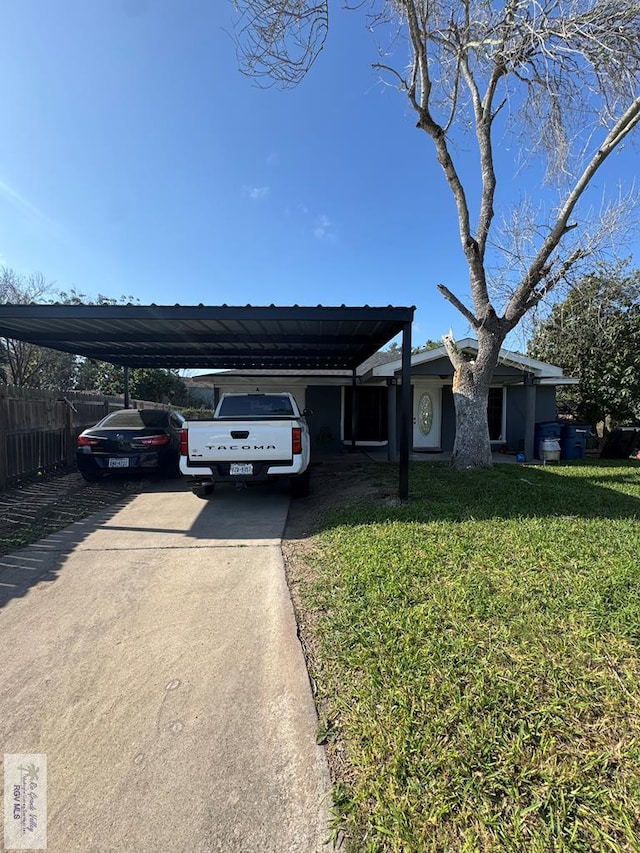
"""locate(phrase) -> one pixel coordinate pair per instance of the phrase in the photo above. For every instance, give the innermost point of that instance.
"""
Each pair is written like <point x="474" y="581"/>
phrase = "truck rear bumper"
<point x="220" y="472"/>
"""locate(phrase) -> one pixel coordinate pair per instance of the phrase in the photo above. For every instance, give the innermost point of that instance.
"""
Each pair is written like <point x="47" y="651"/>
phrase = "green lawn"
<point x="478" y="661"/>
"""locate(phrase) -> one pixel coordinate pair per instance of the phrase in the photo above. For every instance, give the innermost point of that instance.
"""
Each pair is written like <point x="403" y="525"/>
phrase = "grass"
<point x="23" y="536"/>
<point x="478" y="661"/>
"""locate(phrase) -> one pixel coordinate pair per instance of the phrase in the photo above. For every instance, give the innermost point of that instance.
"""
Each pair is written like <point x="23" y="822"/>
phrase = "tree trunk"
<point x="471" y="380"/>
<point x="472" y="448"/>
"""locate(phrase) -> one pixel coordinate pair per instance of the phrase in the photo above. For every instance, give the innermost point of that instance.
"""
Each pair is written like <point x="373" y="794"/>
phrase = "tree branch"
<point x="422" y="58"/>
<point x="551" y="282"/>
<point x="488" y="177"/>
<point x="516" y="307"/>
<point x="434" y="130"/>
<point x="455" y="356"/>
<point x="279" y="42"/>
<point x="378" y="66"/>
<point x="427" y="123"/>
<point x="462" y="308"/>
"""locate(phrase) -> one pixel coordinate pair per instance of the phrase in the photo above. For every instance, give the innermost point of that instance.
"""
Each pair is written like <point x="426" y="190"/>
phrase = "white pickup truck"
<point x="251" y="438"/>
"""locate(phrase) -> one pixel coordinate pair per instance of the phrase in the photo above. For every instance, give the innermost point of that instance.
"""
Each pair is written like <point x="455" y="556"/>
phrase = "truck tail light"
<point x="296" y="440"/>
<point x="184" y="442"/>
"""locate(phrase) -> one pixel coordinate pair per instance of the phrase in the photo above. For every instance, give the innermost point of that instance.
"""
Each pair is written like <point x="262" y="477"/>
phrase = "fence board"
<point x="38" y="429"/>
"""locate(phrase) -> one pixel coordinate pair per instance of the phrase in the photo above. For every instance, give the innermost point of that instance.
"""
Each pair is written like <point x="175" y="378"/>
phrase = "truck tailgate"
<point x="235" y="441"/>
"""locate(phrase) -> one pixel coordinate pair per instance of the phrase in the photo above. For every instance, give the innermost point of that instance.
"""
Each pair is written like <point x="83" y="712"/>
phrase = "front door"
<point x="427" y="416"/>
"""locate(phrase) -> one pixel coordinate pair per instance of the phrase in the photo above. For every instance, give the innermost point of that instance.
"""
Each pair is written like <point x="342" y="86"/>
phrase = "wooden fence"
<point x="38" y="429"/>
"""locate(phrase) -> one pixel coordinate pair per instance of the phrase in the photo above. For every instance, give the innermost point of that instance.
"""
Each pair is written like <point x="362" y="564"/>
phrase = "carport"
<point x="223" y="337"/>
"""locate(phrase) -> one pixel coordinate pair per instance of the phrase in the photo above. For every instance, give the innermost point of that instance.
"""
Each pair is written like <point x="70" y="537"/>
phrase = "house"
<point x="523" y="392"/>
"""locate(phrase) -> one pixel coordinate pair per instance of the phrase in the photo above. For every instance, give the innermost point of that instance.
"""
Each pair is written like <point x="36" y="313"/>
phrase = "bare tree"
<point x="560" y="78"/>
<point x="22" y="363"/>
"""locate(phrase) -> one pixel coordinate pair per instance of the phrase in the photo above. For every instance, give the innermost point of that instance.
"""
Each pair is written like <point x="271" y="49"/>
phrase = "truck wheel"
<point x="300" y="486"/>
<point x="203" y="491"/>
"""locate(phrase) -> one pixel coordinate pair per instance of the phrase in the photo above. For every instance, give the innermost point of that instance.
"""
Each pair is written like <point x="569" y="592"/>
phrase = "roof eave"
<point x="506" y="357"/>
<point x="557" y="380"/>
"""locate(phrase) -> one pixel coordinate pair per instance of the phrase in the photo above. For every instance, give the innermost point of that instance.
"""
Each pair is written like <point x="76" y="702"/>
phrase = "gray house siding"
<point x="442" y="367"/>
<point x="515" y="417"/>
<point x="515" y="403"/>
<point x="325" y="423"/>
<point x="448" y="418"/>
<point x="398" y="391"/>
<point x="545" y="411"/>
<point x="439" y="367"/>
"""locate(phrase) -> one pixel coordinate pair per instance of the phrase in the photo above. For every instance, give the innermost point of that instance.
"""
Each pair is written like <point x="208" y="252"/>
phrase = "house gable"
<point x="435" y="362"/>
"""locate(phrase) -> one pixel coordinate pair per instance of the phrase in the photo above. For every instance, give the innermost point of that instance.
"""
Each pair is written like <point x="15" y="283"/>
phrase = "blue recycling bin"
<point x="573" y="442"/>
<point x="545" y="429"/>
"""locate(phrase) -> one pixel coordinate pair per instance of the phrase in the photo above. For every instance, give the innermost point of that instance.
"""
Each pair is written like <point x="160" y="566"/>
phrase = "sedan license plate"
<point x="236" y="468"/>
<point x="119" y="462"/>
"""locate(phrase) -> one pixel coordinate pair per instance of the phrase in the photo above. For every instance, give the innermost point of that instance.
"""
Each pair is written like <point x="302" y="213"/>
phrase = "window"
<point x="256" y="406"/>
<point x="495" y="406"/>
<point x="137" y="419"/>
<point x="371" y="422"/>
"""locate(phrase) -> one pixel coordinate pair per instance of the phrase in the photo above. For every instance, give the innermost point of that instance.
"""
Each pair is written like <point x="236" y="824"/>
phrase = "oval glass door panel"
<point x="425" y="413"/>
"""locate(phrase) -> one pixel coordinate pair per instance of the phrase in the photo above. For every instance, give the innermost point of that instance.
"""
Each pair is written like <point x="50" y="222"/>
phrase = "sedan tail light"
<point x="296" y="440"/>
<point x="88" y="441"/>
<point x="152" y="440"/>
<point x="184" y="442"/>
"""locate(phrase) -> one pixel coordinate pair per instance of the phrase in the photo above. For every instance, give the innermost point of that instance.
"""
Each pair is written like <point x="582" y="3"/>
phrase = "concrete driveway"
<point x="157" y="666"/>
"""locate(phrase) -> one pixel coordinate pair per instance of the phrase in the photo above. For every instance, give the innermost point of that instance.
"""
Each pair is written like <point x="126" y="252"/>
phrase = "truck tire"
<point x="300" y="486"/>
<point x="203" y="490"/>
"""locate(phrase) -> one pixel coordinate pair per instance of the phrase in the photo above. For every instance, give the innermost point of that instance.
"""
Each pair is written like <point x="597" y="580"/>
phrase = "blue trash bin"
<point x="545" y="429"/>
<point x="574" y="441"/>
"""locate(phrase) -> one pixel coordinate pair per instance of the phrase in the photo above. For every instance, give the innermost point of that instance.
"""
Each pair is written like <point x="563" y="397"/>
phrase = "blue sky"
<point x="135" y="159"/>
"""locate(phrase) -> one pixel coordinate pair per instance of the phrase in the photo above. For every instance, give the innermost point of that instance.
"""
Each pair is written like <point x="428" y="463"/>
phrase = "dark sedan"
<point x="134" y="440"/>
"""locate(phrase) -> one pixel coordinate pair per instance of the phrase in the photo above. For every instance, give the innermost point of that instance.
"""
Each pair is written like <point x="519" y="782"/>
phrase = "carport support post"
<point x="126" y="388"/>
<point x="405" y="415"/>
<point x="354" y="410"/>
<point x="529" y="415"/>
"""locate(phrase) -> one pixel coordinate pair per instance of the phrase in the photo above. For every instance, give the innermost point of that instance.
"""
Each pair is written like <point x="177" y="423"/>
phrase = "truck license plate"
<point x="118" y="462"/>
<point x="236" y="468"/>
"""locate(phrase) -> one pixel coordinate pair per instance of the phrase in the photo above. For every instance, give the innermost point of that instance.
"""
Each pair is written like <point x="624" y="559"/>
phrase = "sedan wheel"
<point x="90" y="476"/>
<point x="171" y="470"/>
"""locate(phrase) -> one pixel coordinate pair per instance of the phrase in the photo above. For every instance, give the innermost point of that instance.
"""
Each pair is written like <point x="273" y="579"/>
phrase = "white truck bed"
<point x="251" y="438"/>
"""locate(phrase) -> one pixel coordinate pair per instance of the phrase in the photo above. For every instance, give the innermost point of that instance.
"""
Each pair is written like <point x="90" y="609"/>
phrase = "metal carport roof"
<point x="204" y="336"/>
<point x="222" y="336"/>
